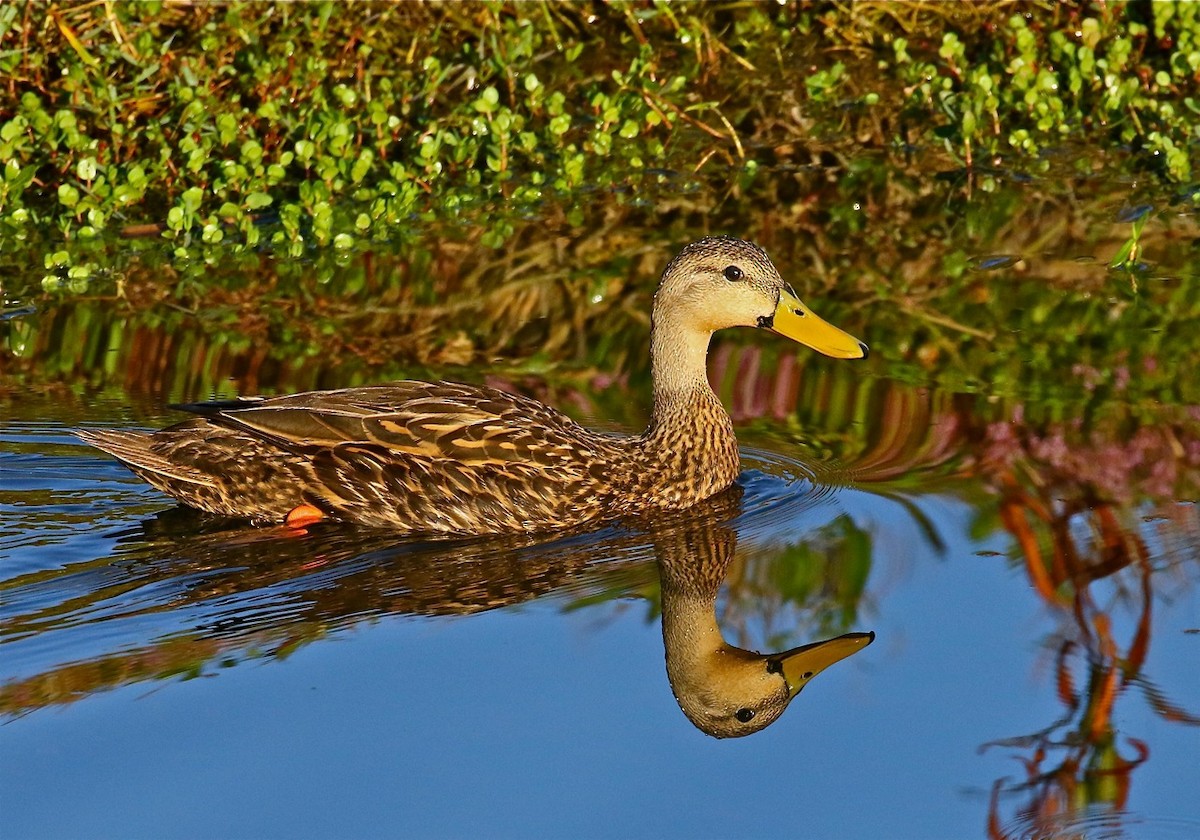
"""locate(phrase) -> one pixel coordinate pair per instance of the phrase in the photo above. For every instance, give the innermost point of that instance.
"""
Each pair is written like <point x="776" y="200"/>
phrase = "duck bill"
<point x="801" y="664"/>
<point x="794" y="320"/>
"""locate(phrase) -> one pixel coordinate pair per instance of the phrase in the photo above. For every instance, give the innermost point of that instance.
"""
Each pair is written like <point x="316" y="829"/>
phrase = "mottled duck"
<point x="445" y="458"/>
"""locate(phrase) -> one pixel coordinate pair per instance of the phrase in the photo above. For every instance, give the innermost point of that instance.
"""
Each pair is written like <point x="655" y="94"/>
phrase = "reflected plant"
<point x="1072" y="503"/>
<point x="1128" y="257"/>
<point x="1078" y="763"/>
<point x="1081" y="499"/>
<point x="814" y="587"/>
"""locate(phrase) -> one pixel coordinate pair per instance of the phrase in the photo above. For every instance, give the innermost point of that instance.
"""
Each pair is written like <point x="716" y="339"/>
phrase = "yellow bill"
<point x="801" y="664"/>
<point x="796" y="321"/>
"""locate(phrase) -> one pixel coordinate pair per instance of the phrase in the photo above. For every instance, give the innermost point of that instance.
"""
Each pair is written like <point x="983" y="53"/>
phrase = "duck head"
<point x="729" y="692"/>
<point x="720" y="281"/>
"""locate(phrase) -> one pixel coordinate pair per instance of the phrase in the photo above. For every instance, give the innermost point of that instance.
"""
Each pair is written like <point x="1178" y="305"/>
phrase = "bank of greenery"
<point x="327" y="124"/>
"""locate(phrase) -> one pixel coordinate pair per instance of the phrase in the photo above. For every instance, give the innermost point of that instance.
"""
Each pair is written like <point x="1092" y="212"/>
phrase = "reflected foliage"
<point x="1100" y="512"/>
<point x="1004" y="292"/>
<point x="1093" y="566"/>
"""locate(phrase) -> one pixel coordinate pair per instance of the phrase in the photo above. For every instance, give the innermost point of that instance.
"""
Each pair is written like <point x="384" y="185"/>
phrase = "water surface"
<point x="1005" y="493"/>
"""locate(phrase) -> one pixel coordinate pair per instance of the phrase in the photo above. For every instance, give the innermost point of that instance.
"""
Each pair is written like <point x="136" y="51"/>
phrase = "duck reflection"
<point x="726" y="691"/>
<point x="186" y="594"/>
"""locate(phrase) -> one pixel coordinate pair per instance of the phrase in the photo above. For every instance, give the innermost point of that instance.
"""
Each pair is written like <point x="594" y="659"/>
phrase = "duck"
<point x="447" y="458"/>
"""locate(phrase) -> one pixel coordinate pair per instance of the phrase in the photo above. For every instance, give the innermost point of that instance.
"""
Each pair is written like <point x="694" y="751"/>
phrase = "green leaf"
<point x="192" y="198"/>
<point x="488" y="100"/>
<point x="560" y="125"/>
<point x="12" y="129"/>
<point x="68" y="196"/>
<point x="258" y="200"/>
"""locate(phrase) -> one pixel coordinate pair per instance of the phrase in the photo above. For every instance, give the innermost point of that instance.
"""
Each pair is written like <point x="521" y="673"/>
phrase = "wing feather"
<point x="440" y="421"/>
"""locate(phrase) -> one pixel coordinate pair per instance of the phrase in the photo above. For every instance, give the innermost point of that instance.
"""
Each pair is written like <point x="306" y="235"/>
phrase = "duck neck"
<point x="689" y="611"/>
<point x="692" y="641"/>
<point x="690" y="440"/>
<point x="679" y="368"/>
<point x="699" y="660"/>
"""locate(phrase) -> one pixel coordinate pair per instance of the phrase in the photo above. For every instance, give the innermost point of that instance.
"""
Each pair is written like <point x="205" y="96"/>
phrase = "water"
<point x="1006" y="493"/>
<point x="250" y="683"/>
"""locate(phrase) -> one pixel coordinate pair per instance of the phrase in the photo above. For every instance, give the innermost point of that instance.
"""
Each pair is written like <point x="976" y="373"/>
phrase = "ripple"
<point x="1101" y="824"/>
<point x="109" y="583"/>
<point x="782" y="495"/>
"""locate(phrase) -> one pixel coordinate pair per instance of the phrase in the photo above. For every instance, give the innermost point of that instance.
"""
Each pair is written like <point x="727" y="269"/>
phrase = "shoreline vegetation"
<point x="300" y="126"/>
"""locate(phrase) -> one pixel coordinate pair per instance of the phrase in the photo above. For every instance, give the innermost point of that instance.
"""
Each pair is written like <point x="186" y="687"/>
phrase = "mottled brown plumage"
<point x="440" y="457"/>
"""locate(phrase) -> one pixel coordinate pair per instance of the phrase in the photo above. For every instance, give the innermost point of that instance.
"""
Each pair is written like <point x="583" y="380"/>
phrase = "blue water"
<point x="326" y="709"/>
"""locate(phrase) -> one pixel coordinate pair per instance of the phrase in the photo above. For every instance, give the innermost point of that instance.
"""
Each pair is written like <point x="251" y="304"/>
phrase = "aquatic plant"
<point x="232" y="127"/>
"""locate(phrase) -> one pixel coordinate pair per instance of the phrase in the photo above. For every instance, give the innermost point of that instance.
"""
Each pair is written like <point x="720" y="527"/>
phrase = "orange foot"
<point x="303" y="515"/>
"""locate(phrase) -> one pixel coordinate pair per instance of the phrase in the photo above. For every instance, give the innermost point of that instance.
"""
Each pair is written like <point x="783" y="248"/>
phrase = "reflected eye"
<point x="744" y="715"/>
<point x="733" y="274"/>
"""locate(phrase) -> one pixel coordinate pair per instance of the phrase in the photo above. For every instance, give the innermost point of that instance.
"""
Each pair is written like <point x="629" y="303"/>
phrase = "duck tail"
<point x="134" y="450"/>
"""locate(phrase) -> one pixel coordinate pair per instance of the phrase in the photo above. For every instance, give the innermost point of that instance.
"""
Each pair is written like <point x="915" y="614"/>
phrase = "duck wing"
<point x="439" y="421"/>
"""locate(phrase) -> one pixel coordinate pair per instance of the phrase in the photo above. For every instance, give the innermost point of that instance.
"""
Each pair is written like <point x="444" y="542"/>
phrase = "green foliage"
<point x="243" y="125"/>
<point x="202" y="121"/>
<point x="828" y="571"/>
<point x="1095" y="74"/>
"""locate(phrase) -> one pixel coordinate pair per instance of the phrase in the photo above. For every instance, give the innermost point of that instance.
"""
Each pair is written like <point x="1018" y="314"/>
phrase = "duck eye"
<point x="744" y="715"/>
<point x="733" y="274"/>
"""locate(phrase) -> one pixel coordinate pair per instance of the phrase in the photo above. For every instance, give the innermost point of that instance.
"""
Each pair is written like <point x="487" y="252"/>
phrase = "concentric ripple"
<point x="1101" y="824"/>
